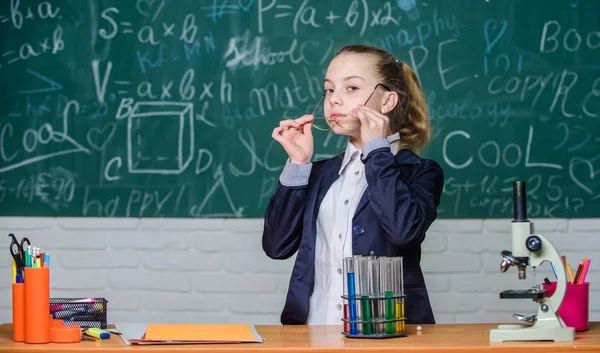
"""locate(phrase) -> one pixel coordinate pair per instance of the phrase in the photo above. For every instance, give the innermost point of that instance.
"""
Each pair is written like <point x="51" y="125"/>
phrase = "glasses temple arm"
<point x="317" y="106"/>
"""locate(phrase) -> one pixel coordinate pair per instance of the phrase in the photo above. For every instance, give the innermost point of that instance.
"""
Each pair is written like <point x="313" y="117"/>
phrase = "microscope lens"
<point x="521" y="272"/>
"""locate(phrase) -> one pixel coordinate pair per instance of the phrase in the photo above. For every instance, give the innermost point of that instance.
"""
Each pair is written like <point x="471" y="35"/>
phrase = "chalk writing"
<point x="156" y="108"/>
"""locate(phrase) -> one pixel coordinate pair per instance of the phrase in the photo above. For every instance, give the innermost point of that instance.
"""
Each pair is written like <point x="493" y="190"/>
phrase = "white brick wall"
<point x="214" y="270"/>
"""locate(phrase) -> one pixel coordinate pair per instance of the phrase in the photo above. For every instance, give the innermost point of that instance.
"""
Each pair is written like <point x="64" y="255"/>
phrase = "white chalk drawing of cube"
<point x="160" y="137"/>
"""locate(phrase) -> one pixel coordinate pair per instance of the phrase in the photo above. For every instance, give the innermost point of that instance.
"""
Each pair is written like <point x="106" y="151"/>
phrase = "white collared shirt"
<point x="334" y="228"/>
<point x="334" y="236"/>
<point x="334" y="239"/>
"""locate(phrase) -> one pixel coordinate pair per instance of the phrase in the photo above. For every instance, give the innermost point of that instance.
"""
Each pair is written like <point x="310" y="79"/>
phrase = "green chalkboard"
<point x="158" y="108"/>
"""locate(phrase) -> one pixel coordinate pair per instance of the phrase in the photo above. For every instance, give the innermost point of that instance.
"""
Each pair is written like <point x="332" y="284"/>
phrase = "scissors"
<point x="18" y="254"/>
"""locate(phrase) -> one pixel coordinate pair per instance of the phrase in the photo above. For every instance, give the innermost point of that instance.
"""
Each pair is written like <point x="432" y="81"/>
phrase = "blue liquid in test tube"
<point x="352" y="294"/>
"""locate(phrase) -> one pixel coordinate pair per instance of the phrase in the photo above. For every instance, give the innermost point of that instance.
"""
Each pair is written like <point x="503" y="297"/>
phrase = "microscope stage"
<point x="523" y="294"/>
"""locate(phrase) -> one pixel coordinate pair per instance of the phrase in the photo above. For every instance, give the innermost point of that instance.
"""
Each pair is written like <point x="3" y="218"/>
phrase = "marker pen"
<point x="98" y="333"/>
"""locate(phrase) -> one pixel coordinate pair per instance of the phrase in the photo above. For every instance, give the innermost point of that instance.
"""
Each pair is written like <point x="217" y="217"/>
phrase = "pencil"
<point x="584" y="272"/>
<point x="570" y="273"/>
<point x="578" y="273"/>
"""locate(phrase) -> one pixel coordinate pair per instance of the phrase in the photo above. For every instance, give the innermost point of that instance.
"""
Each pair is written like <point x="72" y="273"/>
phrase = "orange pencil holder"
<point x="61" y="334"/>
<point x="18" y="311"/>
<point x="37" y="305"/>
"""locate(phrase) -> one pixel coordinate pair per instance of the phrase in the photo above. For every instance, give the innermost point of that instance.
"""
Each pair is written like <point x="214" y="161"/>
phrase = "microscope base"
<point x="531" y="333"/>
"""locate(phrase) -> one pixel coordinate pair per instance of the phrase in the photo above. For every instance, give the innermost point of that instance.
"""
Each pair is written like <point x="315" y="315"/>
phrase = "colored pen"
<point x="586" y="266"/>
<point x="14" y="271"/>
<point x="554" y="270"/>
<point x="68" y="313"/>
<point x="98" y="333"/>
<point x="578" y="273"/>
<point x="90" y="324"/>
<point x="85" y="300"/>
<point x="81" y="317"/>
<point x="60" y="307"/>
<point x="80" y="307"/>
<point x="570" y="273"/>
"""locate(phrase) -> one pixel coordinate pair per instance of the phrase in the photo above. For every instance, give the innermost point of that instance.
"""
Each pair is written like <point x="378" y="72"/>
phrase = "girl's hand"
<point x="296" y="138"/>
<point x="372" y="124"/>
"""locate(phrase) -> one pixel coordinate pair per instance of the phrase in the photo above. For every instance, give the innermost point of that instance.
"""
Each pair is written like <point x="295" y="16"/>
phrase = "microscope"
<point x="532" y="250"/>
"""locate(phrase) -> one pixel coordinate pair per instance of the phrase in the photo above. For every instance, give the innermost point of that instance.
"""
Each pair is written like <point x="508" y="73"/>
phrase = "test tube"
<point x="374" y="292"/>
<point x="345" y="295"/>
<point x="381" y="301"/>
<point x="350" y="291"/>
<point x="356" y="259"/>
<point x="388" y="284"/>
<point x="398" y="270"/>
<point x="365" y="277"/>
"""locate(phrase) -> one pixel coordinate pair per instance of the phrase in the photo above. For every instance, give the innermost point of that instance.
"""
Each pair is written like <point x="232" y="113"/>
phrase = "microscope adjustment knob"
<point x="533" y="243"/>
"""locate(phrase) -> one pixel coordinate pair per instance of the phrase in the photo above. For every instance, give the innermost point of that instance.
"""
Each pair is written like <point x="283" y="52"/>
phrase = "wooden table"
<point x="433" y="338"/>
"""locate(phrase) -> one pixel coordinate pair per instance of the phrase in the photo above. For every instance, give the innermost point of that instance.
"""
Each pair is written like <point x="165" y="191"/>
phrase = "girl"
<point x="379" y="198"/>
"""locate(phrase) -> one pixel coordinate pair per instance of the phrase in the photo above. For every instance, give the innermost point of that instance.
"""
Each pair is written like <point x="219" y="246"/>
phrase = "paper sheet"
<point x="131" y="331"/>
<point x="133" y="334"/>
<point x="202" y="332"/>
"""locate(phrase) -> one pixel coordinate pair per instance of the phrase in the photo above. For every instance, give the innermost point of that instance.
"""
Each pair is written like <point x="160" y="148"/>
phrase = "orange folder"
<point x="198" y="333"/>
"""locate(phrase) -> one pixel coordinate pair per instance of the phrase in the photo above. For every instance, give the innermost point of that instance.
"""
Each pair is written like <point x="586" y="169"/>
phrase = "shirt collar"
<point x="352" y="151"/>
<point x="394" y="141"/>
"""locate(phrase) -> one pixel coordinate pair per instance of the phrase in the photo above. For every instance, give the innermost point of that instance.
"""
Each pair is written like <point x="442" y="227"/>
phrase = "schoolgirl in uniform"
<point x="378" y="198"/>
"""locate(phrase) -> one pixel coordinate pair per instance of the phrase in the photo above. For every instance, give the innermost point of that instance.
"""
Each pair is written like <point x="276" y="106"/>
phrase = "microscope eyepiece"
<point x="520" y="201"/>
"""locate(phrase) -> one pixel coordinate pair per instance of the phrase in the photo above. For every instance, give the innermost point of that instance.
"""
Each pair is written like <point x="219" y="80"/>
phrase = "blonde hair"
<point x="410" y="117"/>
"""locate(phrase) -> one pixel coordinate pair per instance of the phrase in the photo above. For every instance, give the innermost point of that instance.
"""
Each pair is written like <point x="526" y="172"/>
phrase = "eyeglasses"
<point x="320" y="127"/>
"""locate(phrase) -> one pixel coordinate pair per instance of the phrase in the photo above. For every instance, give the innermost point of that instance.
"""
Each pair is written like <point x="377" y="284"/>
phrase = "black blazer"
<point x="391" y="219"/>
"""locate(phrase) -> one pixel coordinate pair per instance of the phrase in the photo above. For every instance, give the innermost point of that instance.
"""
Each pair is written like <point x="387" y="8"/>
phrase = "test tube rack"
<point x="373" y="297"/>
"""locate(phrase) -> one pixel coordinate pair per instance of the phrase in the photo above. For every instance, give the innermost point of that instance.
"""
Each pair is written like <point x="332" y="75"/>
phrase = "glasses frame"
<point x="387" y="88"/>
